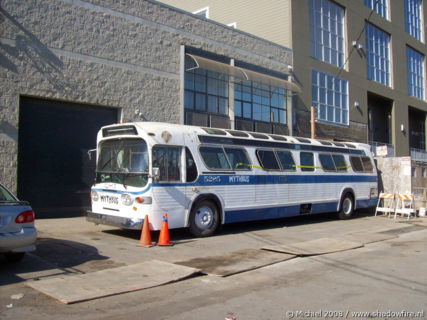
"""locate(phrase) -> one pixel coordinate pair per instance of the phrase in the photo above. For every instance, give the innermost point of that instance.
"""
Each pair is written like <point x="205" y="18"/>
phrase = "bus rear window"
<point x="367" y="164"/>
<point x="356" y="164"/>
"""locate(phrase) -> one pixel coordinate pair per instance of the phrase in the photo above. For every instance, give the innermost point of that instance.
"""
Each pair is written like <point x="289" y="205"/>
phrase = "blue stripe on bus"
<point x="367" y="203"/>
<point x="216" y="179"/>
<point x="276" y="212"/>
<point x="288" y="179"/>
<point x="287" y="211"/>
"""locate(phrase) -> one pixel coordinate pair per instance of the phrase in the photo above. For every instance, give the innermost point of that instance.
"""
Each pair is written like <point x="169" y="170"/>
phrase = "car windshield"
<point x="123" y="161"/>
<point x="5" y="195"/>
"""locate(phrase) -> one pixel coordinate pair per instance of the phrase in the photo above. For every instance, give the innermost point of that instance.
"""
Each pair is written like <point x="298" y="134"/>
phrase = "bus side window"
<point x="356" y="163"/>
<point x="238" y="159"/>
<point x="267" y="159"/>
<point x="340" y="163"/>
<point x="326" y="162"/>
<point x="190" y="166"/>
<point x="168" y="160"/>
<point x="307" y="161"/>
<point x="367" y="164"/>
<point x="286" y="160"/>
<point x="214" y="158"/>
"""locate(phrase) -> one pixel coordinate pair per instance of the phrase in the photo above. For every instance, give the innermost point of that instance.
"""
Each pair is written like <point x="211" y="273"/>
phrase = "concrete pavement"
<point x="384" y="276"/>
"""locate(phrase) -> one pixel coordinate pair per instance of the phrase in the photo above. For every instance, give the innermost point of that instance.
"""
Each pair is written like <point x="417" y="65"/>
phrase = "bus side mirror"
<point x="156" y="173"/>
<point x="89" y="153"/>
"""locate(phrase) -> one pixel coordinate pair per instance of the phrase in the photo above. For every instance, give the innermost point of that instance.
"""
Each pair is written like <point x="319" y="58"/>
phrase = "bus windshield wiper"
<point x="123" y="174"/>
<point x="107" y="163"/>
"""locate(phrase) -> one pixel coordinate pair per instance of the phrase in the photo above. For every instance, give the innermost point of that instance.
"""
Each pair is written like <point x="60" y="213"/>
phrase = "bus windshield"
<point x="123" y="161"/>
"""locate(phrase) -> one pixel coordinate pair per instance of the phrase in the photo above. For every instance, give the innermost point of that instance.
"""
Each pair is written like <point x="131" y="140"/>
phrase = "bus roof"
<point x="162" y="129"/>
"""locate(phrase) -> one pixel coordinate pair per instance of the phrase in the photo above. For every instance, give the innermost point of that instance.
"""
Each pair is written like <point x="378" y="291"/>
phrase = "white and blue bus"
<point x="204" y="177"/>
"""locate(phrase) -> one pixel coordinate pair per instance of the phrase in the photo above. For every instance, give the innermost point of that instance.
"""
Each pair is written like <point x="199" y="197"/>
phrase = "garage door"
<point x="54" y="170"/>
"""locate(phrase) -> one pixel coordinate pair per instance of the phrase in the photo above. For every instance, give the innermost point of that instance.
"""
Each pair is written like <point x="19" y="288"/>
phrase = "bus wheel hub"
<point x="204" y="218"/>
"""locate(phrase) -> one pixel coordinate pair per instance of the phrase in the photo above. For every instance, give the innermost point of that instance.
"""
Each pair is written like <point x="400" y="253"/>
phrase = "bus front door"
<point x="168" y="190"/>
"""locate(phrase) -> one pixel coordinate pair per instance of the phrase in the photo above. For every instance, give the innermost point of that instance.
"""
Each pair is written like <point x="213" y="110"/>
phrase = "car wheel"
<point x="204" y="219"/>
<point x="347" y="207"/>
<point x="14" y="257"/>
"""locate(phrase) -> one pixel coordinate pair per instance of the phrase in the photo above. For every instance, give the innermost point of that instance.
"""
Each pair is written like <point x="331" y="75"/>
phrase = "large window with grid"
<point x="415" y="73"/>
<point x="413" y="18"/>
<point x="205" y="91"/>
<point x="378" y="55"/>
<point x="379" y="6"/>
<point x="260" y="102"/>
<point x="327" y="31"/>
<point x="329" y="97"/>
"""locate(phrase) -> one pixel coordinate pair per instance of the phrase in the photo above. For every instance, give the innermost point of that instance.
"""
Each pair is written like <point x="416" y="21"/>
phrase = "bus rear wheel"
<point x="346" y="207"/>
<point x="204" y="219"/>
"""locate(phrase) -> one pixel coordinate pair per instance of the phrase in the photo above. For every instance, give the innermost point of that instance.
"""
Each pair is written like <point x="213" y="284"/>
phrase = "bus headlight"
<point x="127" y="200"/>
<point x="374" y="193"/>
<point x="94" y="195"/>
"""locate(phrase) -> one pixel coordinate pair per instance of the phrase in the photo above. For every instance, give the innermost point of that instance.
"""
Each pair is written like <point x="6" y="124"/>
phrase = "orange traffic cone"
<point x="164" y="232"/>
<point x="145" y="240"/>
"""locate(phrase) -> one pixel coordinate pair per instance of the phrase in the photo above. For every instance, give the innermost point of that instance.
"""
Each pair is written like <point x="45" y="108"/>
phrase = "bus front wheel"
<point x="204" y="219"/>
<point x="347" y="207"/>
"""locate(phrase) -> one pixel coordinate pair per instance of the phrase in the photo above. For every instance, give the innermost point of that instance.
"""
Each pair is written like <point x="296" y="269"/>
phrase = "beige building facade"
<point x="361" y="63"/>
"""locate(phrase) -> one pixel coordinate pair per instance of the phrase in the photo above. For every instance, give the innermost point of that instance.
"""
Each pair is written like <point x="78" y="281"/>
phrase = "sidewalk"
<point x="384" y="275"/>
<point x="97" y="246"/>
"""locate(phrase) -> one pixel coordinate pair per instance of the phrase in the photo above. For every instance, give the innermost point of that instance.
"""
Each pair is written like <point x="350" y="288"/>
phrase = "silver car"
<point x="17" y="231"/>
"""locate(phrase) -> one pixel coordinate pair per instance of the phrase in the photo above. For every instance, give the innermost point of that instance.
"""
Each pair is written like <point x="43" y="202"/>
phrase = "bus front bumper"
<point x="121" y="222"/>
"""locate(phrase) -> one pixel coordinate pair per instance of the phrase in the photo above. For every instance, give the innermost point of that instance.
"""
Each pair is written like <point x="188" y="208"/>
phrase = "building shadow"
<point x="26" y="45"/>
<point x="54" y="257"/>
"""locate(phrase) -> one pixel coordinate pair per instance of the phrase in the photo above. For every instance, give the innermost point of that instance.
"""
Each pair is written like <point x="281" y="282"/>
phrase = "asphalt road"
<point x="386" y="279"/>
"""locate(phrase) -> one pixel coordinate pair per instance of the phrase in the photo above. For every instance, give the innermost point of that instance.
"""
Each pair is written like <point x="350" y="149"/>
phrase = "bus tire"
<point x="204" y="219"/>
<point x="346" y="206"/>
